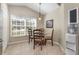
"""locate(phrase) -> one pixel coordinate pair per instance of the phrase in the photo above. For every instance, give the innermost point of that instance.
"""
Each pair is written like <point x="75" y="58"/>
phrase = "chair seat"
<point x="48" y="38"/>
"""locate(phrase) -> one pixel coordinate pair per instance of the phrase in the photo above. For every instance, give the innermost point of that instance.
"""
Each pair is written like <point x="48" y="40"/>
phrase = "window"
<point x="30" y="23"/>
<point x="19" y="25"/>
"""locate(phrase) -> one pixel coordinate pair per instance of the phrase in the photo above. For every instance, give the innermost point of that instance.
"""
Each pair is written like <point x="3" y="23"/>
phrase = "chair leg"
<point x="52" y="42"/>
<point x="41" y="45"/>
<point x="34" y="45"/>
<point x="45" y="42"/>
<point x="41" y="48"/>
<point x="29" y="39"/>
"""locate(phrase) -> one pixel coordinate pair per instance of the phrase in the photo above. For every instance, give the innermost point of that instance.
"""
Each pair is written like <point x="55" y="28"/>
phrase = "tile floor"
<point x="27" y="49"/>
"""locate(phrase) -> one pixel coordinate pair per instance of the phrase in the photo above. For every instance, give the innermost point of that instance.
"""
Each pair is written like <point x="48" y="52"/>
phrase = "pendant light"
<point x="39" y="18"/>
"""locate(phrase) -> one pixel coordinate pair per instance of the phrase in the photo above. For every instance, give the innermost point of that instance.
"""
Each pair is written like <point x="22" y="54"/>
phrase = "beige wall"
<point x="62" y="26"/>
<point x="55" y="16"/>
<point x="5" y="25"/>
<point x="58" y="17"/>
<point x="0" y="30"/>
<point x="0" y="23"/>
<point x="23" y="11"/>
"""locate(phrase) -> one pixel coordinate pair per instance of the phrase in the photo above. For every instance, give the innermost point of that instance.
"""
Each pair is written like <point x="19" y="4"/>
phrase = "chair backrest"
<point x="37" y="33"/>
<point x="30" y="32"/>
<point x="52" y="34"/>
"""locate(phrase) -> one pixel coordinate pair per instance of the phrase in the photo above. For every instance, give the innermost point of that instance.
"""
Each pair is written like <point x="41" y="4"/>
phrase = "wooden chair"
<point x="30" y="34"/>
<point x="38" y="38"/>
<point x="50" y="37"/>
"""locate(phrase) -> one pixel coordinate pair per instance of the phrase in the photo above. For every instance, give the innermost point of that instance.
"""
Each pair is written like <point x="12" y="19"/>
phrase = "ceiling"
<point x="45" y="7"/>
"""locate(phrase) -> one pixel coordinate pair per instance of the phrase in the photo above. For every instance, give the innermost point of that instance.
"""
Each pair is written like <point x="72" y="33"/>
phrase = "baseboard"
<point x="59" y="46"/>
<point x="12" y="43"/>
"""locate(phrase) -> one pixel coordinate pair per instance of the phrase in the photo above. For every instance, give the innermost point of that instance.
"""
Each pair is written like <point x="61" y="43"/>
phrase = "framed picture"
<point x="49" y="24"/>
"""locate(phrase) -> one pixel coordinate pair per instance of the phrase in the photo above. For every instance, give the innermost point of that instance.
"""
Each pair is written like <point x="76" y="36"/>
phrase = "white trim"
<point x="12" y="43"/>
